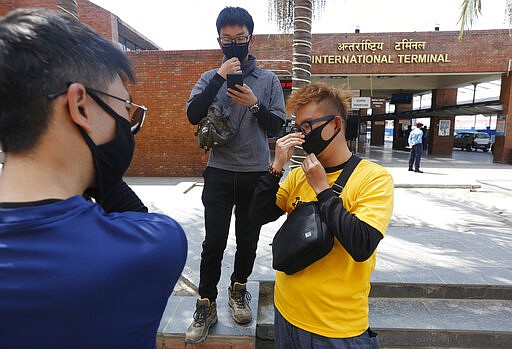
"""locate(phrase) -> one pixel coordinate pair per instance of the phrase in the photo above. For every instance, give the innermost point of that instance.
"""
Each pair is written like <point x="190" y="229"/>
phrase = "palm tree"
<point x="470" y="9"/>
<point x="69" y="6"/>
<point x="297" y="14"/>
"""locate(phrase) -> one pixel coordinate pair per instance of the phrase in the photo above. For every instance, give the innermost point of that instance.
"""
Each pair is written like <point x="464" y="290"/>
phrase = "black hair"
<point x="234" y="16"/>
<point x="41" y="51"/>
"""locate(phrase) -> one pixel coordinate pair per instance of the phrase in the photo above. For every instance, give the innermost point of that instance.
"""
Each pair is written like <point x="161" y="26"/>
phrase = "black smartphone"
<point x="235" y="79"/>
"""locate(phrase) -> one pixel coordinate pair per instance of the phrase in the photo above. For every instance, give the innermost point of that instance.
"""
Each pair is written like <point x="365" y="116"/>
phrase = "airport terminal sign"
<point x="405" y="51"/>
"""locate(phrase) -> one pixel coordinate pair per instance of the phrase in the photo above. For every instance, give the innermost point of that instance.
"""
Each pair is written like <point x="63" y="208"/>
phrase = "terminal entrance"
<point x="433" y="100"/>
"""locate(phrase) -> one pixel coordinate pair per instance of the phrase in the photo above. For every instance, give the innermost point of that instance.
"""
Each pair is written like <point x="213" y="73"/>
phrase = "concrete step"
<point x="446" y="291"/>
<point x="226" y="334"/>
<point x="425" y="315"/>
<point x="423" y="290"/>
<point x="427" y="322"/>
<point x="465" y="323"/>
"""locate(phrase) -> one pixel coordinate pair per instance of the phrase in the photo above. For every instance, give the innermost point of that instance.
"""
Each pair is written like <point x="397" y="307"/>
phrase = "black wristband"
<point x="274" y="172"/>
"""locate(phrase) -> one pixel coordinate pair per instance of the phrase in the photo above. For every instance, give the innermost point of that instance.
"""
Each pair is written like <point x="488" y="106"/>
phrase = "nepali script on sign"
<point x="364" y="45"/>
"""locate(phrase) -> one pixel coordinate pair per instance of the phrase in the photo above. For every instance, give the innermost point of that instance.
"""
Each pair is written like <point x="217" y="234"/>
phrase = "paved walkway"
<point x="441" y="232"/>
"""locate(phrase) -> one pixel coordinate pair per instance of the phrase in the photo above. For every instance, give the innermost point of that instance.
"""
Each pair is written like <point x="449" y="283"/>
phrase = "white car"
<point x="472" y="140"/>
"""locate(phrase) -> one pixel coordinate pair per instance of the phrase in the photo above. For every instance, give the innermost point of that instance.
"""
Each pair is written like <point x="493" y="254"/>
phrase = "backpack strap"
<point x="350" y="166"/>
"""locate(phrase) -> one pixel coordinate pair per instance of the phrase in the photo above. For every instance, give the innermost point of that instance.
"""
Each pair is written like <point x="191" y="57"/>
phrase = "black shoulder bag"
<point x="304" y="238"/>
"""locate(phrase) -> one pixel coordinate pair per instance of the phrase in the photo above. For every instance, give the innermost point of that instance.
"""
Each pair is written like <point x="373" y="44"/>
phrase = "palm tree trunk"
<point x="301" y="66"/>
<point x="301" y="63"/>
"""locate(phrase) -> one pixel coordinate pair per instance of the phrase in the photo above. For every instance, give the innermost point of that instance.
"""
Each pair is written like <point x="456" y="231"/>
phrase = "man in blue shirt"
<point x="416" y="144"/>
<point x="75" y="272"/>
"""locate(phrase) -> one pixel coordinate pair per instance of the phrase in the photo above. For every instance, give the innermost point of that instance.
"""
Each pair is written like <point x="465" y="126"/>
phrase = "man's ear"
<point x="251" y="41"/>
<point x="339" y="125"/>
<point x="77" y="104"/>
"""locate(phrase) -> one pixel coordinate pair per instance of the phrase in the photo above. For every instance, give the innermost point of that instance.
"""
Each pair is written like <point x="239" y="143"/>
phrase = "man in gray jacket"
<point x="254" y="109"/>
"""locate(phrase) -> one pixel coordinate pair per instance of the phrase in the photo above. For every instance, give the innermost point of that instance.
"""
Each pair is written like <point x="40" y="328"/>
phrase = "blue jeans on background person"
<point x="287" y="336"/>
<point x="415" y="157"/>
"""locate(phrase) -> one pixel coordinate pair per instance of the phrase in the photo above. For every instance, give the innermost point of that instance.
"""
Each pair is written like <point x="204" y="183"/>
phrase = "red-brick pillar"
<point x="441" y="127"/>
<point x="503" y="144"/>
<point x="401" y="128"/>
<point x="377" y="135"/>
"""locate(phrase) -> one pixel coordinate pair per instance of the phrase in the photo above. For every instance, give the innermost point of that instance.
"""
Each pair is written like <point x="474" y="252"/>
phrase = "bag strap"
<point x="350" y="166"/>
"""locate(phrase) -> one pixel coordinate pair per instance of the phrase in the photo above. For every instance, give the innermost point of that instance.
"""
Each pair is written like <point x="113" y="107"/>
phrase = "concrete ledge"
<point x="212" y="342"/>
<point x="444" y="315"/>
<point x="438" y="186"/>
<point x="428" y="339"/>
<point x="452" y="291"/>
<point x="429" y="322"/>
<point x="179" y="312"/>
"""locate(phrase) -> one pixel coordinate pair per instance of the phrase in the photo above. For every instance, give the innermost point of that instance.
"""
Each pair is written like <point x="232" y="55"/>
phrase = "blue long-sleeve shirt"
<point x="415" y="137"/>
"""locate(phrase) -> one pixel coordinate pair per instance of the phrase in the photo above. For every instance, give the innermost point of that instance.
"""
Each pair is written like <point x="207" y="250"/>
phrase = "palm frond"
<point x="470" y="9"/>
<point x="508" y="13"/>
<point x="281" y="12"/>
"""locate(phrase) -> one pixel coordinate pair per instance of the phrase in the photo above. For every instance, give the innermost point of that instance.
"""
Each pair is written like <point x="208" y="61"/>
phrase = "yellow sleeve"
<point x="373" y="201"/>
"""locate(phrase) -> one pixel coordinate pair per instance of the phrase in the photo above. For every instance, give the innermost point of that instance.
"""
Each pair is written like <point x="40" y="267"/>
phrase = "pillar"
<point x="442" y="127"/>
<point x="378" y="127"/>
<point x="503" y="143"/>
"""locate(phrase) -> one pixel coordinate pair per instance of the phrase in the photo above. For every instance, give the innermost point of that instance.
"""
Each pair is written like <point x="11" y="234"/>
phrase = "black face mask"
<point x="112" y="159"/>
<point x="313" y="142"/>
<point x="238" y="51"/>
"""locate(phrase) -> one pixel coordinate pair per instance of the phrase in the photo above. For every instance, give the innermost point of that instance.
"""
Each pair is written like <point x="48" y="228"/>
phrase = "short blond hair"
<point x="335" y="98"/>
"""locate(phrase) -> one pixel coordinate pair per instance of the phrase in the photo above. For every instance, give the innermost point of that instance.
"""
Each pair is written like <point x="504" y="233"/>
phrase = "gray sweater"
<point x="248" y="150"/>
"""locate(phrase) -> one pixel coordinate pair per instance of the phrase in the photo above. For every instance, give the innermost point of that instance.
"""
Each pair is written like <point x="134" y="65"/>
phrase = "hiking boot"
<point x="239" y="299"/>
<point x="204" y="317"/>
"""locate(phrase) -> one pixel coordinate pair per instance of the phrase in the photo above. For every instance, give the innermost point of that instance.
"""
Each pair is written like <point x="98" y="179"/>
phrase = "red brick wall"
<point x="99" y="19"/>
<point x="166" y="146"/>
<point x="9" y="5"/>
<point x="6" y="6"/>
<point x="479" y="51"/>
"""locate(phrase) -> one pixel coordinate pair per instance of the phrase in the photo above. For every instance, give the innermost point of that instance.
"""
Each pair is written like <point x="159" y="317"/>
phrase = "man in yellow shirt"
<point x="325" y="305"/>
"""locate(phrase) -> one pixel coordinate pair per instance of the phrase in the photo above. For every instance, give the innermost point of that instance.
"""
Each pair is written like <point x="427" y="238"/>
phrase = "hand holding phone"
<point x="235" y="79"/>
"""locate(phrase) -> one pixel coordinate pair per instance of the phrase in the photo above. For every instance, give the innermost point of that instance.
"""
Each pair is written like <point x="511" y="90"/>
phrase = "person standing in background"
<point x="254" y="109"/>
<point x="424" y="138"/>
<point x="415" y="141"/>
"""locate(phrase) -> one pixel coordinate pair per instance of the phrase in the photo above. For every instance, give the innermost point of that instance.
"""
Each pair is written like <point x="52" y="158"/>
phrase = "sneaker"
<point x="204" y="317"/>
<point x="239" y="299"/>
<point x="418" y="171"/>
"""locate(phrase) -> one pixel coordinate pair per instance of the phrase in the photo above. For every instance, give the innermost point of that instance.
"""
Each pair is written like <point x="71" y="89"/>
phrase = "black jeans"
<point x="415" y="156"/>
<point x="223" y="190"/>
